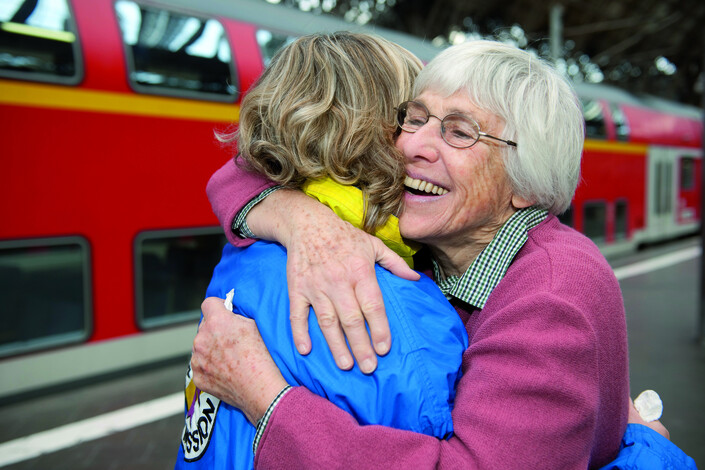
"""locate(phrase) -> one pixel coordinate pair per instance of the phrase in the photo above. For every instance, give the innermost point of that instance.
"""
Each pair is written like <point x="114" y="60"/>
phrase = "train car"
<point x="108" y="110"/>
<point x="641" y="170"/>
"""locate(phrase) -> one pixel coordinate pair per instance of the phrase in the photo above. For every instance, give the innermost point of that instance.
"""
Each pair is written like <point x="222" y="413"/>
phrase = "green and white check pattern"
<point x="239" y="226"/>
<point x="476" y="284"/>
<point x="262" y="423"/>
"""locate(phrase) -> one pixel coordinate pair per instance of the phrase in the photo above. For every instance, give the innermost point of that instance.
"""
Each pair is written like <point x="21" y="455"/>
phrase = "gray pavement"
<point x="662" y="317"/>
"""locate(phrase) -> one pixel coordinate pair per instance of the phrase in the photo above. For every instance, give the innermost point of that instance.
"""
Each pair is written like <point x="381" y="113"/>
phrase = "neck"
<point x="454" y="260"/>
<point x="455" y="254"/>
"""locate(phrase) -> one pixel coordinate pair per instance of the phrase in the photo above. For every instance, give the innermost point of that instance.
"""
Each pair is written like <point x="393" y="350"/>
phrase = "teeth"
<point x="424" y="186"/>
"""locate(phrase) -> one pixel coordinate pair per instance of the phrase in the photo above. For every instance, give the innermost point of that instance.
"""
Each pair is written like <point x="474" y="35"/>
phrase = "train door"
<point x="660" y="192"/>
<point x="673" y="179"/>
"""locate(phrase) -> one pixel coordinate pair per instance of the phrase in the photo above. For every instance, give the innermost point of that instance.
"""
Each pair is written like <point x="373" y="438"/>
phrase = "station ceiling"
<point x="623" y="37"/>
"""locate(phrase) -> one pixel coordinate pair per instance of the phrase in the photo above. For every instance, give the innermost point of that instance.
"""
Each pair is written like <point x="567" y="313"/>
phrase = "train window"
<point x="621" y="126"/>
<point x="595" y="220"/>
<point x="620" y="219"/>
<point x="173" y="270"/>
<point x="687" y="178"/>
<point x="44" y="293"/>
<point x="38" y="41"/>
<point x="594" y="120"/>
<point x="270" y="42"/>
<point x="175" y="54"/>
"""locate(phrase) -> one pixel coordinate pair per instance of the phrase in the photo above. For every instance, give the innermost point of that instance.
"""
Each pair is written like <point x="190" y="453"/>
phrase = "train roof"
<point x="296" y="22"/>
<point x="672" y="107"/>
<point x="613" y="94"/>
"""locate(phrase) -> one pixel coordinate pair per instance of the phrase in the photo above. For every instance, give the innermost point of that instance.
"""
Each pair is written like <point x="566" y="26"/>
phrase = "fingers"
<point x="212" y="306"/>
<point x="338" y="322"/>
<point x="333" y="270"/>
<point x="329" y="320"/>
<point x="298" y="315"/>
<point x="392" y="262"/>
<point x="369" y="295"/>
<point x="636" y="418"/>
<point x="346" y="313"/>
<point x="331" y="328"/>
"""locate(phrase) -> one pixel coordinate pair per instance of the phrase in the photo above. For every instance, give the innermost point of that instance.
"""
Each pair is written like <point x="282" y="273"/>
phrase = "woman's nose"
<point x="426" y="143"/>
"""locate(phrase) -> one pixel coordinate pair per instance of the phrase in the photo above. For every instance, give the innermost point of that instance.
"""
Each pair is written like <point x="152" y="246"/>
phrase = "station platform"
<point x="661" y="287"/>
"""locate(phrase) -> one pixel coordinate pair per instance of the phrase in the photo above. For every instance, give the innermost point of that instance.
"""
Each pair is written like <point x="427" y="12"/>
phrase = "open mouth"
<point x="423" y="188"/>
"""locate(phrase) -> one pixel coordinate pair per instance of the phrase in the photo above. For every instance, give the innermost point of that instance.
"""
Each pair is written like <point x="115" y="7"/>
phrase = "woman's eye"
<point x="460" y="133"/>
<point x="415" y="121"/>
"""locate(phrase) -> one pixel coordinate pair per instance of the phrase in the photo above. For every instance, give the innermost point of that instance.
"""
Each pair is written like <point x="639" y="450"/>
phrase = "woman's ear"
<point x="520" y="202"/>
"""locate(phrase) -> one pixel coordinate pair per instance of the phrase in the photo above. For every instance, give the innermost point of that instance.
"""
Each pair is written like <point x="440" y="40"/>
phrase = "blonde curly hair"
<point x="325" y="107"/>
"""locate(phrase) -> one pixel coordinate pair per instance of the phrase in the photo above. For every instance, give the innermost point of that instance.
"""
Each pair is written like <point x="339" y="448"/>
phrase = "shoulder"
<point x="555" y="255"/>
<point x="260" y="266"/>
<point x="562" y="275"/>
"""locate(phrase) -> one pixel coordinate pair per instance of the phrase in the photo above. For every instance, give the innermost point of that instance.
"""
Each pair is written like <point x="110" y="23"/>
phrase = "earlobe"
<point x="520" y="202"/>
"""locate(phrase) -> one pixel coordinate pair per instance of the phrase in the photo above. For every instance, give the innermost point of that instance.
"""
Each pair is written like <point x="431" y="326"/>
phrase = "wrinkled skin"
<point x="231" y="361"/>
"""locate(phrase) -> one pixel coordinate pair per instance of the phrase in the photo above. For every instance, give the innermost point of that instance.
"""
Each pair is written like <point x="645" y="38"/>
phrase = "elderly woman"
<point x="492" y="144"/>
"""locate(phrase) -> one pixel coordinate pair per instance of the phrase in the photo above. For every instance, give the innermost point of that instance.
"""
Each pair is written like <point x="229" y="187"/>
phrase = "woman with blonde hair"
<point x="321" y="119"/>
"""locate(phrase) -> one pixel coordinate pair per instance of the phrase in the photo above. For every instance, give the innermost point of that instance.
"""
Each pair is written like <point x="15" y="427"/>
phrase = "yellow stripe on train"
<point x="618" y="147"/>
<point x="81" y="99"/>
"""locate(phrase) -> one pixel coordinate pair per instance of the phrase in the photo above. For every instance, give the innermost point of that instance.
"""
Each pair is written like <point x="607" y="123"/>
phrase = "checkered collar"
<point x="476" y="284"/>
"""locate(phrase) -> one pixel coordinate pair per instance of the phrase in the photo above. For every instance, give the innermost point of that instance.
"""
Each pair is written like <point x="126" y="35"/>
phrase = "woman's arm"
<point x="330" y="267"/>
<point x="230" y="361"/>
<point x="229" y="190"/>
<point x="515" y="401"/>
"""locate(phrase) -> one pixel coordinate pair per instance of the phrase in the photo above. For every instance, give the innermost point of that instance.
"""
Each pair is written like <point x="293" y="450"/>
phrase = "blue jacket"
<point x="413" y="387"/>
<point x="644" y="449"/>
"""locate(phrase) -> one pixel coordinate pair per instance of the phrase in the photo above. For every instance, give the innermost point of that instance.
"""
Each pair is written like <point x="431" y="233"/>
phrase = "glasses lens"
<point x="412" y="116"/>
<point x="460" y="131"/>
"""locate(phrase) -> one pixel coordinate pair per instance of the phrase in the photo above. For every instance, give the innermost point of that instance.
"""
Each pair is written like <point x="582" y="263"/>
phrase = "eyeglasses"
<point x="457" y="130"/>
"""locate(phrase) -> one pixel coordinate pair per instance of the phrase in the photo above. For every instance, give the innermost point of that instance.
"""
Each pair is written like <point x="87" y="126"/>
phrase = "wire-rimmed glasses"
<point x="457" y="130"/>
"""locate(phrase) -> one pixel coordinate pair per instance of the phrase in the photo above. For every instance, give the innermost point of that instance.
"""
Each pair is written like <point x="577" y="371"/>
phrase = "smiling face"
<point x="456" y="199"/>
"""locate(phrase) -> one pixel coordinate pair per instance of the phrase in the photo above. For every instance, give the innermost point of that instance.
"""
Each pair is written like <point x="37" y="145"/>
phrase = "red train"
<point x="107" y="117"/>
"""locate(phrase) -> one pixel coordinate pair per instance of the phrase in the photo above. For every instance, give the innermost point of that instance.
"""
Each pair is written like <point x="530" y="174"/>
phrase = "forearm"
<point x="482" y="438"/>
<point x="523" y="394"/>
<point x="272" y="218"/>
<point x="229" y="190"/>
<point x="307" y="431"/>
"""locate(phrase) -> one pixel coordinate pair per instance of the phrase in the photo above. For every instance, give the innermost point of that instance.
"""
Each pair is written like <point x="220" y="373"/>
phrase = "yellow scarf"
<point x="347" y="203"/>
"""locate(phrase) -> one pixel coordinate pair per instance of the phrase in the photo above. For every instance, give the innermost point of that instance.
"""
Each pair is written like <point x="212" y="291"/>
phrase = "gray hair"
<point x="540" y="110"/>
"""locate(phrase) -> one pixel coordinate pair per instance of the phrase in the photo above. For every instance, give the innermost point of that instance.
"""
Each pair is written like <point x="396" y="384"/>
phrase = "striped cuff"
<point x="239" y="226"/>
<point x="262" y="423"/>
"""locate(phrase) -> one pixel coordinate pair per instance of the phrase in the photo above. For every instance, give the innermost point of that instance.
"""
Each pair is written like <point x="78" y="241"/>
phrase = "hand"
<point x="231" y="362"/>
<point x="635" y="418"/>
<point x="331" y="267"/>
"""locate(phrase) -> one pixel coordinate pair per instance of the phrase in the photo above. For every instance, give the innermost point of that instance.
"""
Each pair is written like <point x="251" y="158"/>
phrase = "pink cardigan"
<point x="545" y="379"/>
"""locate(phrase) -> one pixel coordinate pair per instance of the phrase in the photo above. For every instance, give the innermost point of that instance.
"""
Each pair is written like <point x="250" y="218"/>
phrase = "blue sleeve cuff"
<point x="644" y="449"/>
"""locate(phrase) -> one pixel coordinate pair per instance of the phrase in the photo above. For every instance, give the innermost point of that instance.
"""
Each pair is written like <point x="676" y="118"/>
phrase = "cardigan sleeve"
<point x="229" y="190"/>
